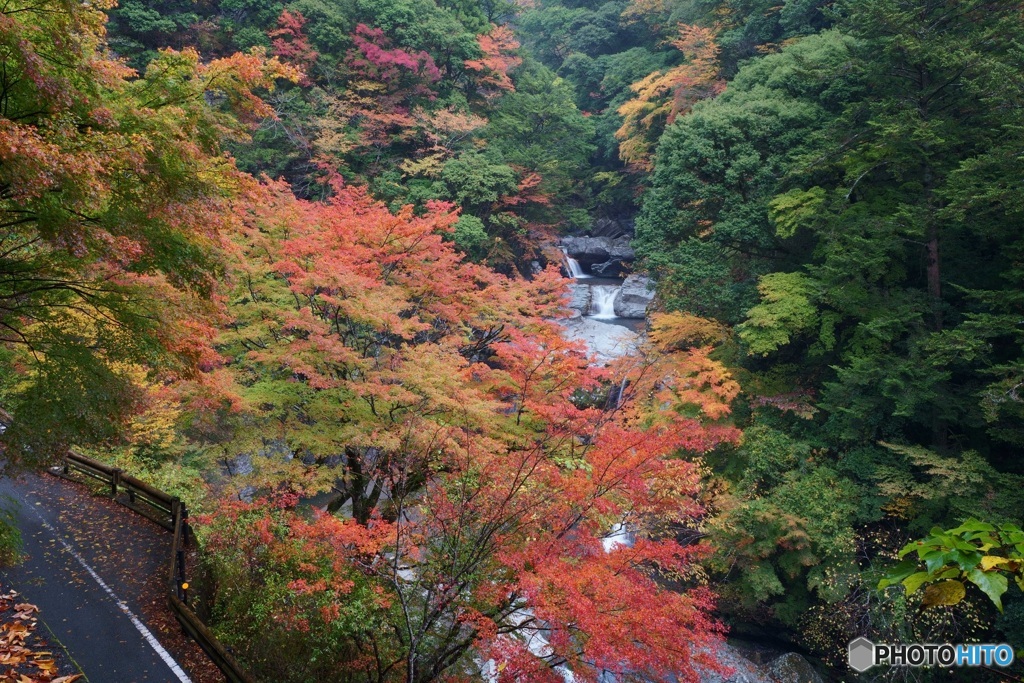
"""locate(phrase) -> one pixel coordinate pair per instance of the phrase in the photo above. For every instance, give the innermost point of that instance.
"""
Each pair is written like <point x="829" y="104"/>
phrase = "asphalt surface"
<point x="79" y="600"/>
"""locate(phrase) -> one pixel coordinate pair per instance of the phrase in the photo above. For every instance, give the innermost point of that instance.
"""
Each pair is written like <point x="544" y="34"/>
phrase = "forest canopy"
<point x="298" y="263"/>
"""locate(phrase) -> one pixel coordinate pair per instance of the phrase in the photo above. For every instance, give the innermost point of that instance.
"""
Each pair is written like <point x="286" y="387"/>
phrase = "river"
<point x="606" y="334"/>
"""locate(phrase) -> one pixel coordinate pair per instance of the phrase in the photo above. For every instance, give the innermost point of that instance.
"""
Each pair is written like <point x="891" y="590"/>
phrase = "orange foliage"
<point x="499" y="59"/>
<point x="661" y="97"/>
<point x="115" y="188"/>
<point x="292" y="45"/>
<point x="528" y="191"/>
<point x="482" y="483"/>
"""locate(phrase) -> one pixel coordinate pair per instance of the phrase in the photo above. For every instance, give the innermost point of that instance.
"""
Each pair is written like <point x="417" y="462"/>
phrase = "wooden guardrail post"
<point x="178" y="569"/>
<point x="182" y="584"/>
<point x="115" y="481"/>
<point x="186" y="528"/>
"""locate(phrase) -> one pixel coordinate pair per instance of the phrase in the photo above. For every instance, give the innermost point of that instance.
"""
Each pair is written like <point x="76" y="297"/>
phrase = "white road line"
<point x="150" y="638"/>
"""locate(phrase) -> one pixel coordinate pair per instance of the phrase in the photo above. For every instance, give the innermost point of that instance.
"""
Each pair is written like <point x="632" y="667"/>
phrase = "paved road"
<point x="79" y="605"/>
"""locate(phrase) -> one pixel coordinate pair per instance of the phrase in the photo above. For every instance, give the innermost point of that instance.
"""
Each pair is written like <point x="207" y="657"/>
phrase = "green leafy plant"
<point x="977" y="552"/>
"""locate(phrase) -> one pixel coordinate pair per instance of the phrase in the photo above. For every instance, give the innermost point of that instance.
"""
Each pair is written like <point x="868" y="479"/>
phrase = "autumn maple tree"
<point x="499" y="58"/>
<point x="112" y="190"/>
<point x="374" y="112"/>
<point x="347" y="321"/>
<point x="478" y="481"/>
<point x="292" y="45"/>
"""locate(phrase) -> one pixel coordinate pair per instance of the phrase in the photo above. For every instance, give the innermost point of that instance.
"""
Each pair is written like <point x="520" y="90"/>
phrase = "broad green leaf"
<point x="914" y="581"/>
<point x="898" y="573"/>
<point x="972" y="525"/>
<point x="963" y="545"/>
<point x="965" y="560"/>
<point x="935" y="560"/>
<point x="987" y="542"/>
<point x="993" y="584"/>
<point x="909" y="548"/>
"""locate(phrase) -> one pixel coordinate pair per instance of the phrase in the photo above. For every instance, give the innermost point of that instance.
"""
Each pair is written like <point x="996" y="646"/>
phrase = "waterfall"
<point x="574" y="267"/>
<point x="602" y="304"/>
<point x="619" y="535"/>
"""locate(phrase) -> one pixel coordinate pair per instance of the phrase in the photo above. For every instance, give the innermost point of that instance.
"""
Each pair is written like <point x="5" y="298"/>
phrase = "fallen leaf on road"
<point x="22" y="658"/>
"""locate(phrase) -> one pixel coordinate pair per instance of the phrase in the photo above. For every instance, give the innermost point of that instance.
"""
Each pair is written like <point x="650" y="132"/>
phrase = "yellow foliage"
<point x="445" y="128"/>
<point x="943" y="593"/>
<point x="661" y="97"/>
<point x="682" y="330"/>
<point x="429" y="166"/>
<point x="647" y="11"/>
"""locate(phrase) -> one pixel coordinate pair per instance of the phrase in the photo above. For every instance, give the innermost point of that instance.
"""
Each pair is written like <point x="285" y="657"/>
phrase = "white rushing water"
<point x="574" y="267"/>
<point x="620" y="535"/>
<point x="602" y="302"/>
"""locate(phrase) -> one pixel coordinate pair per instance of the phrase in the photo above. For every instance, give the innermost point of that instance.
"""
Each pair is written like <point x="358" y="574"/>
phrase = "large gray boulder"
<point x="742" y="670"/>
<point x="636" y="294"/>
<point x="603" y="256"/>
<point x="588" y="250"/>
<point x="240" y="465"/>
<point x="787" y="668"/>
<point x="620" y="255"/>
<point x="604" y="340"/>
<point x="613" y="268"/>
<point x="611" y="227"/>
<point x="580" y="303"/>
<point x="792" y="668"/>
<point x="591" y="250"/>
<point x="621" y="251"/>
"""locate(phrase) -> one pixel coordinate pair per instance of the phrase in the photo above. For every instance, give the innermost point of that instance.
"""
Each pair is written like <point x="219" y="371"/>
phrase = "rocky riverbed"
<point x="609" y="317"/>
<point x="608" y="312"/>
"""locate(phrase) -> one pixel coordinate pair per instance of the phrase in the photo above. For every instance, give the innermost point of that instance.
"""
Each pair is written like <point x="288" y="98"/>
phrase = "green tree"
<point x="538" y="128"/>
<point x="786" y="532"/>
<point x="476" y="182"/>
<point x="705" y="227"/>
<point x="911" y="336"/>
<point x="751" y="27"/>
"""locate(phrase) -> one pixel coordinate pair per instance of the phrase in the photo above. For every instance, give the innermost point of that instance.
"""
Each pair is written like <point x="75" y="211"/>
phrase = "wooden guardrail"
<point x="169" y="512"/>
<point x="158" y="506"/>
<point x="188" y="619"/>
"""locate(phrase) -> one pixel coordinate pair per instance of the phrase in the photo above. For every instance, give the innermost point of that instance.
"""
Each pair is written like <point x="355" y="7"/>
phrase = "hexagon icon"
<point x="861" y="654"/>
